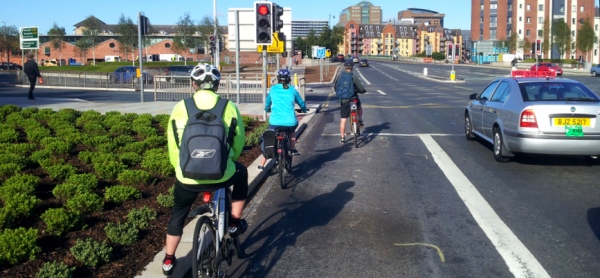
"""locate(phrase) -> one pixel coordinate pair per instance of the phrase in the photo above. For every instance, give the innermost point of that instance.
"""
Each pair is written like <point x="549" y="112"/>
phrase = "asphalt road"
<point x="416" y="199"/>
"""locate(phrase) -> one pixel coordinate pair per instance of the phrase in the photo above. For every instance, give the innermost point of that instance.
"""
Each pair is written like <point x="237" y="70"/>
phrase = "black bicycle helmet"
<point x="348" y="64"/>
<point x="284" y="76"/>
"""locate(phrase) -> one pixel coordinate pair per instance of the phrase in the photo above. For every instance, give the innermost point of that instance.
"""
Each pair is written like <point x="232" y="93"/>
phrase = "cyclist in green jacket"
<point x="206" y="82"/>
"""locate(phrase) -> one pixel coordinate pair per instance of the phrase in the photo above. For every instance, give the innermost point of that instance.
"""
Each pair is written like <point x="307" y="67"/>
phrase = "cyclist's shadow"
<point x="371" y="132"/>
<point x="280" y="230"/>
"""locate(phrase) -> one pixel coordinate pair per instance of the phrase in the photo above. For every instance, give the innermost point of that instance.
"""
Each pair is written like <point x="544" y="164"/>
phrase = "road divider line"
<point x="381" y="92"/>
<point x="517" y="257"/>
<point x="366" y="81"/>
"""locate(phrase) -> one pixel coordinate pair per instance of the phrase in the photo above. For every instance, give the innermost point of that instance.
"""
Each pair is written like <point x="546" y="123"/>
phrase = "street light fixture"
<point x="330" y="16"/>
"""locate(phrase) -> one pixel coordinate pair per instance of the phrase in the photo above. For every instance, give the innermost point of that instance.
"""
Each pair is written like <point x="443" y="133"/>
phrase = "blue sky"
<point x="43" y="13"/>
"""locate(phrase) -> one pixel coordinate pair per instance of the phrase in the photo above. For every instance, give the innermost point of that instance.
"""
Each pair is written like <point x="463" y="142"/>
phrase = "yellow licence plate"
<point x="571" y="121"/>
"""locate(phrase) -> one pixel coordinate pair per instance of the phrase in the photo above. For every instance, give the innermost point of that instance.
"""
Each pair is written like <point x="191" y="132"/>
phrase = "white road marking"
<point x="381" y="92"/>
<point x="366" y="81"/>
<point x="517" y="257"/>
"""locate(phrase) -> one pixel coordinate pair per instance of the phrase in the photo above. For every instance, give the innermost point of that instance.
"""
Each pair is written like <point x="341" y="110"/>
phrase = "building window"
<point x="541" y="7"/>
<point x="481" y="20"/>
<point x="527" y="33"/>
<point x="528" y="20"/>
<point x="540" y="33"/>
<point x="520" y="6"/>
<point x="520" y="32"/>
<point x="493" y="6"/>
<point x="572" y="33"/>
<point x="482" y="7"/>
<point x="492" y="34"/>
<point x="509" y="19"/>
<point x="596" y="27"/>
<point x="508" y="33"/>
<point x="529" y="7"/>
<point x="111" y="45"/>
<point x="167" y="45"/>
<point x="520" y="19"/>
<point x="509" y="7"/>
<point x="573" y="19"/>
<point x="540" y="19"/>
<point x="581" y="9"/>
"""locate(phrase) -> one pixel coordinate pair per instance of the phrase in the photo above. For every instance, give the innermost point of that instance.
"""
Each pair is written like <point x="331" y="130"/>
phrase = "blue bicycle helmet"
<point x="284" y="76"/>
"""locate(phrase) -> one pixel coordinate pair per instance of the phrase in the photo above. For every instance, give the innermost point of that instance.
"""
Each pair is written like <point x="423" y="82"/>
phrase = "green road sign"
<point x="29" y="32"/>
<point x="29" y="45"/>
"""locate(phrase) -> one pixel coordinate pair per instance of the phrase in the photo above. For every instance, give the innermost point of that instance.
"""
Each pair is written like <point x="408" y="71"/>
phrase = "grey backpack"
<point x="205" y="143"/>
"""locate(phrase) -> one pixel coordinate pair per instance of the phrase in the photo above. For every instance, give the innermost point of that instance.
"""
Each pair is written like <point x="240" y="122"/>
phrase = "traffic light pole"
<point x="217" y="58"/>
<point x="140" y="19"/>
<point x="265" y="81"/>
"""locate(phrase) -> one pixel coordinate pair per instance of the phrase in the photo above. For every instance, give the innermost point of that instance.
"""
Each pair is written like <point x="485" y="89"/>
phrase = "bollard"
<point x="425" y="71"/>
<point x="452" y="75"/>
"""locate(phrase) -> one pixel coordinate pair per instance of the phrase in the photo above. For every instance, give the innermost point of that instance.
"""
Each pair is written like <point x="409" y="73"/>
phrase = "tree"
<point x="546" y="34"/>
<point x="585" y="38"/>
<point x="128" y="36"/>
<point x="562" y="35"/>
<point x="525" y="44"/>
<point x="57" y="38"/>
<point x="83" y="46"/>
<point x="206" y="28"/>
<point x="91" y="32"/>
<point x="513" y="41"/>
<point x="185" y="38"/>
<point x="9" y="42"/>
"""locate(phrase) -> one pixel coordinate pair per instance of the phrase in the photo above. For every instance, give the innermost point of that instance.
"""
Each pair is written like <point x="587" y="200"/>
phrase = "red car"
<point x="545" y="66"/>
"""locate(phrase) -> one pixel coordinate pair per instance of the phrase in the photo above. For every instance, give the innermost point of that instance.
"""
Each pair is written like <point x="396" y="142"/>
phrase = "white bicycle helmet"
<point x="206" y="76"/>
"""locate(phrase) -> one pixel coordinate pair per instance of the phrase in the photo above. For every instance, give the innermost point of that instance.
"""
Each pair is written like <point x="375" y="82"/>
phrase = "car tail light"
<point x="206" y="197"/>
<point x="528" y="119"/>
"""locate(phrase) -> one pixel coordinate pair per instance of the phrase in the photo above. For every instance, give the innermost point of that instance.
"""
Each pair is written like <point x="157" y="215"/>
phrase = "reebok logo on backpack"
<point x="344" y="88"/>
<point x="205" y="143"/>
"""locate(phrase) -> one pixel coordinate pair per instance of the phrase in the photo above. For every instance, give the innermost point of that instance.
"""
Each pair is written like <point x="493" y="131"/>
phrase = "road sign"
<point x="321" y="52"/>
<point x="29" y="33"/>
<point x="29" y="44"/>
<point x="277" y="44"/>
<point x="328" y="53"/>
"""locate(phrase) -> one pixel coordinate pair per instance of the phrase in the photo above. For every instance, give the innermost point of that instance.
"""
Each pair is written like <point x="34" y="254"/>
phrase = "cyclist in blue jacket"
<point x="280" y="102"/>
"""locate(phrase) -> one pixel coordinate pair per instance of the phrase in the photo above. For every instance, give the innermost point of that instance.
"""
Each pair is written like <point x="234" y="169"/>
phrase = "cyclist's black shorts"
<point x="345" y="107"/>
<point x="185" y="195"/>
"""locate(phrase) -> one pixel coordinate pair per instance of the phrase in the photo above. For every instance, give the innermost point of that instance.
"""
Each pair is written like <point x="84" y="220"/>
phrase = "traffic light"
<point x="211" y="40"/>
<point x="538" y="46"/>
<point x="264" y="22"/>
<point x="450" y="52"/>
<point x="144" y="26"/>
<point x="456" y="51"/>
<point x="277" y="13"/>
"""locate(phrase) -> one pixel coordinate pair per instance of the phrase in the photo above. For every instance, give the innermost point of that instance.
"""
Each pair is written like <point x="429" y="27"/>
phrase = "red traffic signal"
<point x="211" y="38"/>
<point x="263" y="10"/>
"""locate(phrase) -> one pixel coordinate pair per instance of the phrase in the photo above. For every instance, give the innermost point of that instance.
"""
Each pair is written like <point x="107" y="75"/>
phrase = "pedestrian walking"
<point x="33" y="73"/>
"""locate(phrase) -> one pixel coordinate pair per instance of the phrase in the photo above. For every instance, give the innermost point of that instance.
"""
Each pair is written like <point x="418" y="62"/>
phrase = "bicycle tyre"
<point x="236" y="247"/>
<point x="355" y="131"/>
<point x="203" y="248"/>
<point x="281" y="160"/>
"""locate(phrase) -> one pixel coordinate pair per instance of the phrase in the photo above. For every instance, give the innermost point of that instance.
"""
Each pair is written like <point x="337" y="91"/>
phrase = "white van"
<point x="112" y="58"/>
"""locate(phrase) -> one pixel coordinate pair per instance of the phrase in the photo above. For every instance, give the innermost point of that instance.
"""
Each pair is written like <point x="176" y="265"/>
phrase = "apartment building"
<point x="416" y="15"/>
<point x="301" y="28"/>
<point x="493" y="21"/>
<point x="403" y="40"/>
<point x="362" y="13"/>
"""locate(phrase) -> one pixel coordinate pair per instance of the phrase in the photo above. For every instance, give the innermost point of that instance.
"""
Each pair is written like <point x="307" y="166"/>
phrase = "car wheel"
<point x="594" y="73"/>
<point x="469" y="128"/>
<point x="499" y="146"/>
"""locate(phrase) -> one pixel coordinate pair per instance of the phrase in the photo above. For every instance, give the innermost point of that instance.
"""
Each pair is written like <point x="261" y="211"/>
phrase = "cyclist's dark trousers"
<point x="32" y="81"/>
<point x="345" y="107"/>
<point x="185" y="195"/>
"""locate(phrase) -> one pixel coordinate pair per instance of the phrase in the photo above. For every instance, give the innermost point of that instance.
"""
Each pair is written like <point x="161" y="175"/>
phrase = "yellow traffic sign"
<point x="277" y="44"/>
<point x="328" y="53"/>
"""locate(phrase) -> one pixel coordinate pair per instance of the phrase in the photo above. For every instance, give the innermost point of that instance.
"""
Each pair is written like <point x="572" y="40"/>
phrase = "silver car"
<point x="535" y="116"/>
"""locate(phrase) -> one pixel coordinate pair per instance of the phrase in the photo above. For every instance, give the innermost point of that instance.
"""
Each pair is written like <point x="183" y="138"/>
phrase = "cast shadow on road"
<point x="281" y="229"/>
<point x="593" y="218"/>
<point x="370" y="132"/>
<point x="308" y="167"/>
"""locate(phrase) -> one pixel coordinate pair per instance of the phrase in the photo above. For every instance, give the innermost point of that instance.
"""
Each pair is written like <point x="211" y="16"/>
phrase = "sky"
<point x="66" y="13"/>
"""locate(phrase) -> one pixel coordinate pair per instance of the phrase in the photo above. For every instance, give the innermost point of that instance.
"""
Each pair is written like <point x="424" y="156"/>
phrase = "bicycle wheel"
<point x="355" y="132"/>
<point x="288" y="158"/>
<point x="204" y="249"/>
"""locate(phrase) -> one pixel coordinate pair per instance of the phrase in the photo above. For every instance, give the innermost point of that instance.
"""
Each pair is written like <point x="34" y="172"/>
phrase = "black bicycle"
<point x="284" y="154"/>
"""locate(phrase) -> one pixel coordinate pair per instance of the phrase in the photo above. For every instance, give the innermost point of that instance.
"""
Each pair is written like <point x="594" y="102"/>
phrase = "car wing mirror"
<point x="473" y="96"/>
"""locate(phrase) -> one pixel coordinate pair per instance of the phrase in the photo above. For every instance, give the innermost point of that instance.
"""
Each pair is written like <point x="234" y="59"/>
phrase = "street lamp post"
<point x="5" y="48"/>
